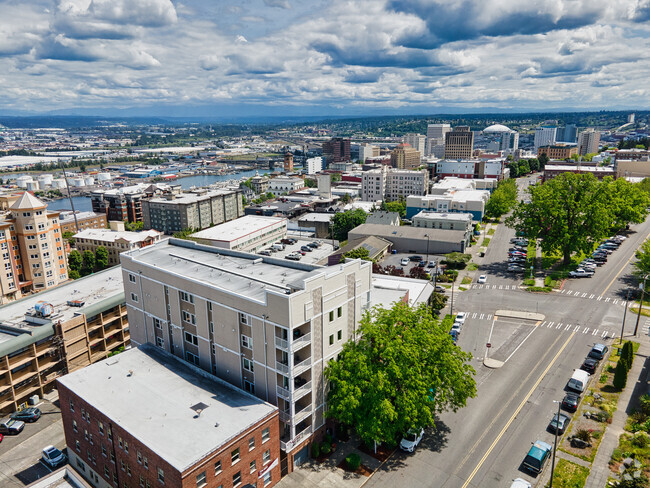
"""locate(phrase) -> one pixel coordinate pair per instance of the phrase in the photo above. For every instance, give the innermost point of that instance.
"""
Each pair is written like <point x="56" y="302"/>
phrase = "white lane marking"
<point x="586" y="330"/>
<point x="568" y="326"/>
<point x="562" y="291"/>
<point x="576" y="329"/>
<point x="559" y="325"/>
<point x="604" y="333"/>
<point x="595" y="332"/>
<point x="481" y="317"/>
<point x="542" y="324"/>
<point x="521" y="344"/>
<point x="569" y="292"/>
<point x="489" y="316"/>
<point x="615" y="301"/>
<point x="474" y="315"/>
<point x="599" y="298"/>
<point x="591" y="297"/>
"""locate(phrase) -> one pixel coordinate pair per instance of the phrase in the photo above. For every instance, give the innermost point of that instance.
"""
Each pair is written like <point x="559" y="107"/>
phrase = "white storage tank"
<point x="32" y="186"/>
<point x="89" y="180"/>
<point x="104" y="177"/>
<point x="45" y="180"/>
<point x="78" y="182"/>
<point x="58" y="183"/>
<point x="22" y="181"/>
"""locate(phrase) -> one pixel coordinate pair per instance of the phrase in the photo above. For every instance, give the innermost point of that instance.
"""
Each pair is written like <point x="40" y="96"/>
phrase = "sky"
<point x="311" y="57"/>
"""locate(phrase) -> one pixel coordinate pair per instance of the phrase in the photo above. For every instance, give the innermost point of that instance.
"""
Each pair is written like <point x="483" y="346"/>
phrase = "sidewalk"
<point x="638" y="378"/>
<point x="313" y="474"/>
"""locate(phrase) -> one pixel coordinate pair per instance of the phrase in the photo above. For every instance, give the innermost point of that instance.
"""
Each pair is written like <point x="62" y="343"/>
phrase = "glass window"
<point x="161" y="476"/>
<point x="266" y="434"/>
<point x="217" y="468"/>
<point x="236" y="479"/>
<point x="266" y="457"/>
<point x="251" y="443"/>
<point x="252" y="466"/>
<point x="201" y="480"/>
<point x="234" y="456"/>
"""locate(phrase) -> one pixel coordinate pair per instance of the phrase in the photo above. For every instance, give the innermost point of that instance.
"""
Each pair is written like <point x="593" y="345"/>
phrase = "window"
<point x="186" y="297"/>
<point x="74" y="425"/>
<point x="119" y="442"/>
<point x="107" y="473"/>
<point x="77" y="446"/>
<point x="252" y="466"/>
<point x="145" y="462"/>
<point x="189" y="317"/>
<point x="339" y="335"/>
<point x="126" y="447"/>
<point x="339" y="311"/>
<point x="103" y="450"/>
<point x="101" y="427"/>
<point x="134" y="297"/>
<point x="266" y="435"/>
<point x="200" y="480"/>
<point x="142" y="481"/>
<point x="248" y="364"/>
<point x="191" y="338"/>
<point x="160" y="342"/>
<point x="161" y="476"/>
<point x="266" y="457"/>
<point x="249" y="387"/>
<point x="267" y="478"/>
<point x="192" y="358"/>
<point x="251" y="443"/>
<point x="236" y="479"/>
<point x="217" y="468"/>
<point x="331" y="339"/>
<point x="131" y="278"/>
<point x="331" y="315"/>
<point x="157" y="323"/>
<point x="246" y="342"/>
<point x="139" y="457"/>
<point x="86" y="434"/>
<point x="128" y="469"/>
<point x="244" y="319"/>
<point x="234" y="456"/>
<point x="122" y="465"/>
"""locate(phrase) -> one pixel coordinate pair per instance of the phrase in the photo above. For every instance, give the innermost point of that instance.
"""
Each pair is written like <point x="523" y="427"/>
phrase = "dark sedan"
<point x="570" y="402"/>
<point x="31" y="414"/>
<point x="590" y="365"/>
<point x="559" y="424"/>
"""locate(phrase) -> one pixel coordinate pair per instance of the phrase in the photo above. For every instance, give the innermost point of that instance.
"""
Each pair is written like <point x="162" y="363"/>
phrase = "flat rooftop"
<point x="238" y="228"/>
<point x="387" y="290"/>
<point x="68" y="216"/>
<point x="107" y="235"/>
<point x="424" y="214"/>
<point x="168" y="389"/>
<point x="389" y="232"/>
<point x="243" y="274"/>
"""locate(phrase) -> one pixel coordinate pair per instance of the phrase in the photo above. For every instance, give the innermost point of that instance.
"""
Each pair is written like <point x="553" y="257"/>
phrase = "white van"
<point x="278" y="247"/>
<point x="578" y="381"/>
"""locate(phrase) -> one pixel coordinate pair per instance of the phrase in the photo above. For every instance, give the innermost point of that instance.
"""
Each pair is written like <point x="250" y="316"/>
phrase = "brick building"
<point x="85" y="220"/>
<point x="558" y="151"/>
<point x="146" y="419"/>
<point x="336" y="150"/>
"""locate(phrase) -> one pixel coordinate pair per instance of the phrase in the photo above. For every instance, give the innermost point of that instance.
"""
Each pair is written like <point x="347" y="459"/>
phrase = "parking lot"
<point x="20" y="454"/>
<point x="395" y="260"/>
<point x="313" y="257"/>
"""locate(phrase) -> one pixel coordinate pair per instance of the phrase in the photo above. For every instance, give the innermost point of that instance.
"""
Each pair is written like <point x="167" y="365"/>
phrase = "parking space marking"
<point x="474" y="315"/>
<point x="489" y="316"/>
<point x="542" y="324"/>
<point x="563" y="290"/>
<point x="549" y="325"/>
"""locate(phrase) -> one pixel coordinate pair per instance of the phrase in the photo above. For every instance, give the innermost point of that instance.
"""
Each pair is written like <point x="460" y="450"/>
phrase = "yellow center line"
<point x="514" y="415"/>
<point x="622" y="268"/>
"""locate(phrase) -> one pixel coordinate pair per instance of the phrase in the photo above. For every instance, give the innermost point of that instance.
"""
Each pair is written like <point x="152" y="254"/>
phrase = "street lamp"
<point x="427" y="236"/>
<point x="557" y="425"/>
<point x="627" y="299"/>
<point x="636" y="327"/>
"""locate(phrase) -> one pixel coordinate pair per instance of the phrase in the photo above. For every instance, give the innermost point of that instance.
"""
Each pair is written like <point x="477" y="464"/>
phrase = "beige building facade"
<point x="459" y="143"/>
<point x="405" y="157"/>
<point x="262" y="324"/>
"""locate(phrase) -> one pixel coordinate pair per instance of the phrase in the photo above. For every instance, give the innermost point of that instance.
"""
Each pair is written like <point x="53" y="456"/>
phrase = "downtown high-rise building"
<point x="459" y="143"/>
<point x="588" y="141"/>
<point x="336" y="150"/>
<point x="436" y="139"/>
<point x="545" y="136"/>
<point x="416" y="141"/>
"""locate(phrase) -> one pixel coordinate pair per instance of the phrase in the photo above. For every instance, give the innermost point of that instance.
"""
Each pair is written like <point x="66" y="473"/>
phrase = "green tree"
<point x="344" y="222"/>
<point x="524" y="167"/>
<point x="75" y="260"/>
<point x="398" y="206"/>
<point x="514" y="169"/>
<point x="69" y="236"/>
<point x="533" y="164"/>
<point x="73" y="274"/>
<point x="627" y="351"/>
<point x="620" y="374"/>
<point x="543" y="160"/>
<point x="569" y="213"/>
<point x="310" y="183"/>
<point x="101" y="258"/>
<point x="335" y="177"/>
<point x="402" y="370"/>
<point x="358" y="253"/>
<point x="133" y="226"/>
<point x="456" y="260"/>
<point x="88" y="263"/>
<point x="345" y="198"/>
<point x="642" y="263"/>
<point x="628" y="202"/>
<point x="438" y="301"/>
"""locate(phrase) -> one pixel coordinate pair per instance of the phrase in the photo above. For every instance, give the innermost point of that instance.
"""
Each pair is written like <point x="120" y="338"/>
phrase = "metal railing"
<point x="281" y="343"/>
<point x="282" y="367"/>
<point x="300" y="367"/>
<point x="301" y="341"/>
<point x="298" y="393"/>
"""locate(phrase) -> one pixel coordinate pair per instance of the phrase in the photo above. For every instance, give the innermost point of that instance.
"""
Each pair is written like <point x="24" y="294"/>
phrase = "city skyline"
<point x="282" y="57"/>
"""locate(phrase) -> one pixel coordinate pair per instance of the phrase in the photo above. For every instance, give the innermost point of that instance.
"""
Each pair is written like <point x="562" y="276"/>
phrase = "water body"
<point x="83" y="203"/>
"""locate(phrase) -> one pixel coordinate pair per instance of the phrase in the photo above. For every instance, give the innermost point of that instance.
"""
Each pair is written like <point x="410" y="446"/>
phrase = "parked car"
<point x="570" y="402"/>
<point x="314" y="245"/>
<point x="482" y="279"/>
<point x="432" y="264"/>
<point x="520" y="483"/>
<point x="440" y="289"/>
<point x="264" y="253"/>
<point x="293" y="257"/>
<point x="454" y="335"/>
<point x="9" y="426"/>
<point x="516" y="269"/>
<point x="422" y="264"/>
<point x="305" y="248"/>
<point x="588" y="266"/>
<point x="460" y="317"/>
<point x="598" y="351"/>
<point x="411" y="440"/>
<point x="456" y="328"/>
<point x="581" y="273"/>
<point x="416" y="258"/>
<point x="590" y="365"/>
<point x="558" y="423"/>
<point x="537" y="456"/>
<point x="52" y="457"/>
<point x="288" y="240"/>
<point x="405" y="261"/>
<point x="31" y="414"/>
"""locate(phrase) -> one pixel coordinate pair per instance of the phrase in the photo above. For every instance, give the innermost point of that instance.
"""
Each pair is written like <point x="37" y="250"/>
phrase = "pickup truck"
<point x="537" y="456"/>
<point x="581" y="273"/>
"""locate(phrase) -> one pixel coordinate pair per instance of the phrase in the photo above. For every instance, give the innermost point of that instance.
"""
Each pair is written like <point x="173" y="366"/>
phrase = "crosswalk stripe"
<point x="489" y="317"/>
<point x="595" y="332"/>
<point x="559" y="325"/>
<point x="562" y="291"/>
<point x="591" y="296"/>
<point x="584" y="295"/>
<point x="568" y="327"/>
<point x="604" y="333"/>
<point x="607" y="299"/>
<point x="474" y="315"/>
<point x="615" y="301"/>
<point x="494" y="287"/>
<point x="586" y="331"/>
<point x="481" y="317"/>
<point x="599" y="298"/>
<point x="542" y="324"/>
<point x="569" y="292"/>
<point x="576" y="329"/>
<point x="549" y="325"/>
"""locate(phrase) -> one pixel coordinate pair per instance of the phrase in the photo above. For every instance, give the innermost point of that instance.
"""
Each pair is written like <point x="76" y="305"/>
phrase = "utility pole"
<point x="636" y="327"/>
<point x="67" y="186"/>
<point x="627" y="298"/>
<point x="559" y="404"/>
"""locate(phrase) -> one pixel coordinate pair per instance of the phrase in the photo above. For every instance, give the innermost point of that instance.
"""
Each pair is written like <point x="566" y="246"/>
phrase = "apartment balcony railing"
<point x="281" y="367"/>
<point x="281" y="343"/>
<point x="301" y="367"/>
<point x="283" y="392"/>
<point x="300" y="342"/>
<point x="298" y="393"/>
<point x="302" y="414"/>
<point x="289" y="445"/>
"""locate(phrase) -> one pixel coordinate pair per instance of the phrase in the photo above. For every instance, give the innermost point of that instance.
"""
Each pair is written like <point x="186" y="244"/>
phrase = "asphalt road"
<point x="484" y="444"/>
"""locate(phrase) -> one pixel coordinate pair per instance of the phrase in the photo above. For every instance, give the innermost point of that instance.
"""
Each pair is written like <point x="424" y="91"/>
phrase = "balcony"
<point x="285" y="416"/>
<point x="290" y="444"/>
<point x="300" y="342"/>
<point x="301" y="367"/>
<point x="298" y="393"/>
<point x="302" y="414"/>
<point x="281" y="343"/>
<point x="283" y="393"/>
<point x="282" y="367"/>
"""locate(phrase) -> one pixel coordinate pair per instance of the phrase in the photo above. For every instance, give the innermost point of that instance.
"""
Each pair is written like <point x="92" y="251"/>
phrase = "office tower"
<point x="545" y="136"/>
<point x="588" y="141"/>
<point x="570" y="133"/>
<point x="336" y="150"/>
<point x="436" y="139"/>
<point x="405" y="157"/>
<point x="459" y="143"/>
<point x="416" y="141"/>
<point x="367" y="151"/>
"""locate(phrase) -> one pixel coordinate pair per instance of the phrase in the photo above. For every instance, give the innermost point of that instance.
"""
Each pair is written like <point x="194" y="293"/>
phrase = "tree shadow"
<point x="642" y="383"/>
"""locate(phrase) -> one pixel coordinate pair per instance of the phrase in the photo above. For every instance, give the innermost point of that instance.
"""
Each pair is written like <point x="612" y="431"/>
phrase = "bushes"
<point x="325" y="448"/>
<point x="623" y="366"/>
<point x="353" y="461"/>
<point x="315" y="450"/>
<point x="627" y="352"/>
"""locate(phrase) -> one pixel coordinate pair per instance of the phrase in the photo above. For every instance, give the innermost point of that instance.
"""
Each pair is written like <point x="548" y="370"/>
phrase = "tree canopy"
<point x="398" y="206"/>
<point x="403" y="370"/>
<point x="358" y="253"/>
<point x="344" y="222"/>
<point x="642" y="263"/>
<point x="503" y="198"/>
<point x="572" y="212"/>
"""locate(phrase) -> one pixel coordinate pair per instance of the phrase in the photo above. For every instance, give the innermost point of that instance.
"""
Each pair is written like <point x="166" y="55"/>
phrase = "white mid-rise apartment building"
<point x="314" y="165"/>
<point x="266" y="325"/>
<point x="545" y="136"/>
<point x="367" y="151"/>
<point x="285" y="184"/>
<point x="391" y="184"/>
